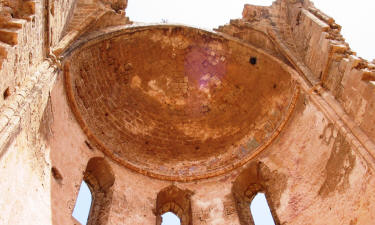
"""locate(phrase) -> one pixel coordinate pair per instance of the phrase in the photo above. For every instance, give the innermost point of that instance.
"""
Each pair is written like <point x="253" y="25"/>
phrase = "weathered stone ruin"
<point x="158" y="118"/>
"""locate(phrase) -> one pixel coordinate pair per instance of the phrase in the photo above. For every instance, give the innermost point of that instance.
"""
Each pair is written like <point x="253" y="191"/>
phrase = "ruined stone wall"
<point x="60" y="13"/>
<point x="26" y="78"/>
<point x="27" y="75"/>
<point x="134" y="196"/>
<point x="21" y="41"/>
<point x="330" y="61"/>
<point x="319" y="169"/>
<point x="24" y="154"/>
<point x="311" y="42"/>
<point x="315" y="173"/>
<point x="326" y="173"/>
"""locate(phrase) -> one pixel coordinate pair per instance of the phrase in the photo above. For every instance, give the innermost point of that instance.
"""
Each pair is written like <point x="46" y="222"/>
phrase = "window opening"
<point x="170" y="218"/>
<point x="260" y="210"/>
<point x="83" y="204"/>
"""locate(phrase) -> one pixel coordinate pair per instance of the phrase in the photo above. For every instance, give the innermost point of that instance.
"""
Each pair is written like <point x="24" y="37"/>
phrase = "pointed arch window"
<point x="251" y="192"/>
<point x="95" y="194"/>
<point x="173" y="206"/>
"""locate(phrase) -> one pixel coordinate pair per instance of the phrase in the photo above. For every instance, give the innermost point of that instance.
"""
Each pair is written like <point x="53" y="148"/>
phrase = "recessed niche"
<point x="56" y="174"/>
<point x="6" y="93"/>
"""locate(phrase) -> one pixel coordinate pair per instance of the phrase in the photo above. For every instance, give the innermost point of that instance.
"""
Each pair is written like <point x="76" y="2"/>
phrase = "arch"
<point x="254" y="179"/>
<point x="172" y="199"/>
<point x="79" y="98"/>
<point x="100" y="179"/>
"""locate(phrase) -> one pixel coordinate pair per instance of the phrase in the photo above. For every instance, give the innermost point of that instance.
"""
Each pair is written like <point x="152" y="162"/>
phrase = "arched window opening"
<point x="83" y="204"/>
<point x="95" y="194"/>
<point x="261" y="211"/>
<point x="254" y="195"/>
<point x="173" y="207"/>
<point x="169" y="218"/>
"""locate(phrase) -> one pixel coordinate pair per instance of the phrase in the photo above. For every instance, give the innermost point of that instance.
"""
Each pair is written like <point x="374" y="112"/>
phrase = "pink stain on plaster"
<point x="205" y="69"/>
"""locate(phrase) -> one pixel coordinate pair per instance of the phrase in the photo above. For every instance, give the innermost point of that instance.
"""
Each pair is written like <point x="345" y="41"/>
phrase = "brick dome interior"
<point x="176" y="102"/>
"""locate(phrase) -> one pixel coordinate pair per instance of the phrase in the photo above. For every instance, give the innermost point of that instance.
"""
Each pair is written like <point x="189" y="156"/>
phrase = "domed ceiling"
<point x="175" y="102"/>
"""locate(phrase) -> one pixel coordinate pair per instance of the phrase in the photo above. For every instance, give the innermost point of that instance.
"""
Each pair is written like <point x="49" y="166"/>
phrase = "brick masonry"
<point x="174" y="118"/>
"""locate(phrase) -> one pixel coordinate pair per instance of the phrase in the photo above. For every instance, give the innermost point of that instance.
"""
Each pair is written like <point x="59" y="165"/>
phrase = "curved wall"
<point x="177" y="103"/>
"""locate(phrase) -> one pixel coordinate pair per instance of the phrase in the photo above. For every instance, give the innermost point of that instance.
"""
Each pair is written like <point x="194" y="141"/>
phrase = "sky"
<point x="356" y="18"/>
<point x="83" y="203"/>
<point x="261" y="211"/>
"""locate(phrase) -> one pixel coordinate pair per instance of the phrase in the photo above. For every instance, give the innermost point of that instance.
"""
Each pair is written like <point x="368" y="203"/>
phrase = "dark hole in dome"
<point x="274" y="86"/>
<point x="253" y="60"/>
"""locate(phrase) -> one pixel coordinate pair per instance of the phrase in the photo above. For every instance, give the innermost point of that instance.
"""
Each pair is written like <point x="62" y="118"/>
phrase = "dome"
<point x="175" y="102"/>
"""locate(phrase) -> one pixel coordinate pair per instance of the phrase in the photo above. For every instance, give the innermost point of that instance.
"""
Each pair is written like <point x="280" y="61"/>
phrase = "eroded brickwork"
<point x="170" y="118"/>
<point x="21" y="41"/>
<point x="187" y="101"/>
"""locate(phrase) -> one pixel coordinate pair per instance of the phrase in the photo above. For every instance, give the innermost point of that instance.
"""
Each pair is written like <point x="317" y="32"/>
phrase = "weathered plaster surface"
<point x="324" y="176"/>
<point x="25" y="155"/>
<point x="318" y="167"/>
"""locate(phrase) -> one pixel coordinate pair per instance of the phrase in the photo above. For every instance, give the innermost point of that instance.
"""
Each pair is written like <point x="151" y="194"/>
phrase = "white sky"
<point x="83" y="203"/>
<point x="170" y="219"/>
<point x="261" y="211"/>
<point x="356" y="17"/>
